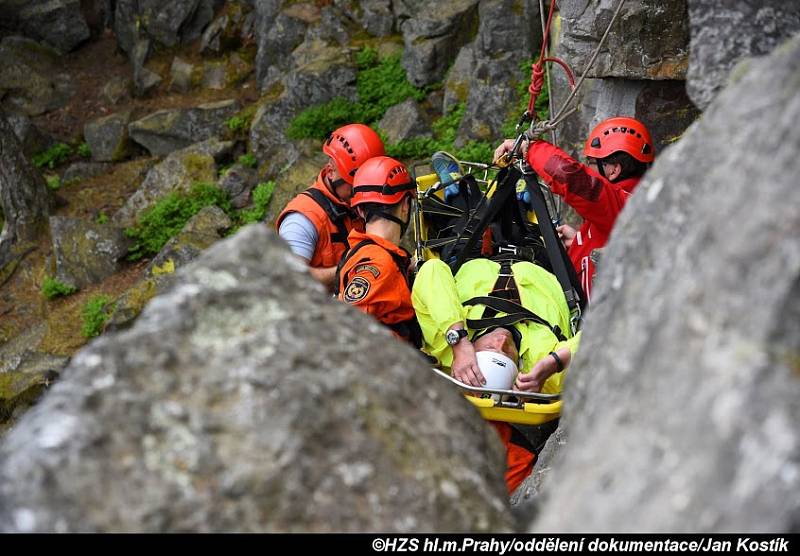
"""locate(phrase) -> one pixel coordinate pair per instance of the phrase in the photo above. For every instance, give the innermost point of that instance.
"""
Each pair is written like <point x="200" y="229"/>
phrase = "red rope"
<point x="537" y="69"/>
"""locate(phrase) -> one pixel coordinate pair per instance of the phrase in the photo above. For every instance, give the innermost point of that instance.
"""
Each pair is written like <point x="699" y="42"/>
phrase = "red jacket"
<point x="375" y="279"/>
<point x="592" y="196"/>
<point x="332" y="242"/>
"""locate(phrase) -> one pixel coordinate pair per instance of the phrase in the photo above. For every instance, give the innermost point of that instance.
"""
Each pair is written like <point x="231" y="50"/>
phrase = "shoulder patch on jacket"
<point x="357" y="289"/>
<point x="367" y="268"/>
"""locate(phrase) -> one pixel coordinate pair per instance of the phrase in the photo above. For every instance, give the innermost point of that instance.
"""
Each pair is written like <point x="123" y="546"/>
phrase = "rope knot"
<point x="537" y="83"/>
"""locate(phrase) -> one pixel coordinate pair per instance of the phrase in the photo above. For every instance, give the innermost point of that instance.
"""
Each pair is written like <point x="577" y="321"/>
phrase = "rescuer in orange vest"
<point x="316" y="222"/>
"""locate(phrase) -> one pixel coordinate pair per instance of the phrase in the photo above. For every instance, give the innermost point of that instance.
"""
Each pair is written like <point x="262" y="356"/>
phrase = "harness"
<point x="505" y="298"/>
<point x="408" y="328"/>
<point x="336" y="214"/>
<point x="501" y="220"/>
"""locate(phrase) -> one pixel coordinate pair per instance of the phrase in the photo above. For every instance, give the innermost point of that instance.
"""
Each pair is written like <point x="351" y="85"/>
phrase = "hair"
<point x="631" y="168"/>
<point x="376" y="210"/>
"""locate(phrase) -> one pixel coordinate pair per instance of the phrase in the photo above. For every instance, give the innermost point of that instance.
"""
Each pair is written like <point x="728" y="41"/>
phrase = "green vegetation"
<point x="52" y="157"/>
<point x="542" y="105"/>
<point x="164" y="220"/>
<point x="444" y="135"/>
<point x="262" y="195"/>
<point x="382" y="84"/>
<point x="53" y="181"/>
<point x="95" y="314"/>
<point x="237" y="123"/>
<point x="102" y="218"/>
<point x="248" y="159"/>
<point x="52" y="288"/>
<point x="379" y="84"/>
<point x="84" y="150"/>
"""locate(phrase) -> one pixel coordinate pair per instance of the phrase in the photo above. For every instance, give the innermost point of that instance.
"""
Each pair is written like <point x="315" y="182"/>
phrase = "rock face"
<point x="683" y="401"/>
<point x="258" y="404"/>
<point x="177" y="172"/>
<point x="108" y="137"/>
<point x="404" y="121"/>
<point x="169" y="130"/>
<point x="58" y="23"/>
<point x="640" y="71"/>
<point x="30" y="81"/>
<point x="86" y="253"/>
<point x="433" y="36"/>
<point x="725" y="32"/>
<point x="649" y="40"/>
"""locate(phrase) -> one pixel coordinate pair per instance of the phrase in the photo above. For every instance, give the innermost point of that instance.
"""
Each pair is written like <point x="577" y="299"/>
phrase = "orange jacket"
<point x="332" y="242"/>
<point x="373" y="276"/>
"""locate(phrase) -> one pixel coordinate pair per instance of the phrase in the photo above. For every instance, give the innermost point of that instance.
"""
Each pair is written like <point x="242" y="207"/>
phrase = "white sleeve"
<point x="300" y="233"/>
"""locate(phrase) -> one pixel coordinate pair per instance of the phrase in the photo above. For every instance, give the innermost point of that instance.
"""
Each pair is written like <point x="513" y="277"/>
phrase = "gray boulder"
<point x="31" y="81"/>
<point x="259" y="404"/>
<point x="486" y="73"/>
<point x="238" y="182"/>
<point x="168" y="24"/>
<point x="375" y="16"/>
<point x="725" y="32"/>
<point x="24" y="375"/>
<point x="78" y="171"/>
<point x="277" y="35"/>
<point x="183" y="75"/>
<point x="404" y="121"/>
<point x="117" y="89"/>
<point x="203" y="230"/>
<point x="211" y="40"/>
<point x="649" y="40"/>
<point x="31" y="139"/>
<point x="57" y="23"/>
<point x="508" y="27"/>
<point x="177" y="172"/>
<point x="107" y="137"/>
<point x="459" y="78"/>
<point x="491" y="99"/>
<point x="433" y="37"/>
<point x="684" y="398"/>
<point x="84" y="252"/>
<point x="165" y="131"/>
<point x="144" y="80"/>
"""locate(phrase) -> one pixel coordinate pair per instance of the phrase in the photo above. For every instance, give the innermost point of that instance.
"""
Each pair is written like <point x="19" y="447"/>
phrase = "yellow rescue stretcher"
<point x="525" y="408"/>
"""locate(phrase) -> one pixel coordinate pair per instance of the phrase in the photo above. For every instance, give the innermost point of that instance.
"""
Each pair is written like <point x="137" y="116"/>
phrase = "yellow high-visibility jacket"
<point x="437" y="298"/>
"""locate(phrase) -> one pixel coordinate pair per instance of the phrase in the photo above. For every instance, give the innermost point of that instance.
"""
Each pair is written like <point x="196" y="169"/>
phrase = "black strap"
<point x="514" y="313"/>
<point x="385" y="189"/>
<point x="562" y="267"/>
<point x="506" y="181"/>
<point x="335" y="213"/>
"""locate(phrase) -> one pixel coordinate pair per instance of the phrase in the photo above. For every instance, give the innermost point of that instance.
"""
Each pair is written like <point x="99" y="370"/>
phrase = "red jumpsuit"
<point x="592" y="196"/>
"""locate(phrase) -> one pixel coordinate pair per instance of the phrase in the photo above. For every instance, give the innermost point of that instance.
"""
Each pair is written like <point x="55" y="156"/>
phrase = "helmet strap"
<point x="600" y="169"/>
<point x="392" y="218"/>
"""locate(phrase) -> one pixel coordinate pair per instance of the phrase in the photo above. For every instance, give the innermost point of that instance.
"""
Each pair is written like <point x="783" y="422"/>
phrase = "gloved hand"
<point x="525" y="197"/>
<point x="450" y="191"/>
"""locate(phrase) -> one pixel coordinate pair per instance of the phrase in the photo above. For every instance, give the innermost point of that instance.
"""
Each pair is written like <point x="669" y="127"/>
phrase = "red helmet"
<point x="381" y="180"/>
<point x="350" y="146"/>
<point x="620" y="134"/>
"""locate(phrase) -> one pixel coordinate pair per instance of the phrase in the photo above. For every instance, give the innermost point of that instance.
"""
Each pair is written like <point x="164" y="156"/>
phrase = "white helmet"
<point x="498" y="370"/>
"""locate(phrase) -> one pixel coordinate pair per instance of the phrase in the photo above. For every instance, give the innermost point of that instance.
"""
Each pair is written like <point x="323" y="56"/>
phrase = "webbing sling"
<point x="514" y="313"/>
<point x="562" y="267"/>
<point x="504" y="190"/>
<point x="335" y="214"/>
<point x="505" y="298"/>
